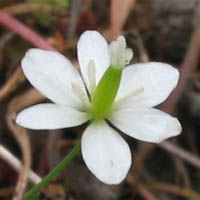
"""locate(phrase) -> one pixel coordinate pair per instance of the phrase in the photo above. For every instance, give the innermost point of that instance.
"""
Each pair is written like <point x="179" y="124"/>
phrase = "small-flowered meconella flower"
<point x="107" y="92"/>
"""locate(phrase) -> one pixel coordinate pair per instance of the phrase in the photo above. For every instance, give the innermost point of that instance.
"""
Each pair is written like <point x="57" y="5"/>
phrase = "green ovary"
<point x="105" y="93"/>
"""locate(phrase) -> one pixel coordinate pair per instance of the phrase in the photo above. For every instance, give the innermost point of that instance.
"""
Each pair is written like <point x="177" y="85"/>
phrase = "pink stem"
<point x="37" y="41"/>
<point x="24" y="31"/>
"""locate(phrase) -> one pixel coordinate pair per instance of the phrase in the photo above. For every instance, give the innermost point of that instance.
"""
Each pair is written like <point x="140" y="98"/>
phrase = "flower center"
<point x="103" y="95"/>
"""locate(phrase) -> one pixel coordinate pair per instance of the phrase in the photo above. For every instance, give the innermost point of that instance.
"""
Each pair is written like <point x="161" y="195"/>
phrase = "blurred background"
<point x="156" y="30"/>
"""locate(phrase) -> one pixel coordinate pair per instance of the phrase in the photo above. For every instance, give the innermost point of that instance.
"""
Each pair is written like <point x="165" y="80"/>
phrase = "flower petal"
<point x="50" y="116"/>
<point x="52" y="74"/>
<point x="146" y="124"/>
<point x="92" y="45"/>
<point x="106" y="153"/>
<point x="156" y="79"/>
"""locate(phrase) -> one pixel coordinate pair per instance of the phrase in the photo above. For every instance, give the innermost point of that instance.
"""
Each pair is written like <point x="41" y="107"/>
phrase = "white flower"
<point x="142" y="87"/>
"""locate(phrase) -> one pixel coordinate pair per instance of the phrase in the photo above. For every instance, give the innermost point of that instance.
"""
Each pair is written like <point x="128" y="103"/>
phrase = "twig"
<point x="143" y="150"/>
<point x="29" y="35"/>
<point x="143" y="54"/>
<point x="22" y="8"/>
<point x="185" y="155"/>
<point x="5" y="192"/>
<point x="119" y="12"/>
<point x="146" y="193"/>
<point x="23" y="140"/>
<point x="184" y="192"/>
<point x="73" y="20"/>
<point x="5" y="38"/>
<point x="31" y="97"/>
<point x="16" y="79"/>
<point x="23" y="31"/>
<point x="8" y="157"/>
<point x="57" y="169"/>
<point x="182" y="174"/>
<point x="141" y="188"/>
<point x="189" y="65"/>
<point x="21" y="137"/>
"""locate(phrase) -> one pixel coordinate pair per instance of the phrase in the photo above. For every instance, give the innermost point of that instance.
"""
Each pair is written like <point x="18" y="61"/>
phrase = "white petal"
<point x="146" y="124"/>
<point x="92" y="45"/>
<point x="157" y="79"/>
<point x="50" y="116"/>
<point x="52" y="74"/>
<point x="106" y="153"/>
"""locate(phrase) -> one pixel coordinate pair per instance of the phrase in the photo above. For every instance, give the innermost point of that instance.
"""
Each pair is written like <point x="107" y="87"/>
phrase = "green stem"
<point x="33" y="191"/>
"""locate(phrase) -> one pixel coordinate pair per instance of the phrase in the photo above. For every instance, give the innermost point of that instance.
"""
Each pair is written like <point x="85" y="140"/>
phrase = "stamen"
<point x="132" y="94"/>
<point x="91" y="76"/>
<point x="80" y="94"/>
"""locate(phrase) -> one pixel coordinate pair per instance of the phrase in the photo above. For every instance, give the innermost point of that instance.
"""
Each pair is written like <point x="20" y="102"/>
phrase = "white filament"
<point x="91" y="76"/>
<point x="80" y="94"/>
<point x="130" y="95"/>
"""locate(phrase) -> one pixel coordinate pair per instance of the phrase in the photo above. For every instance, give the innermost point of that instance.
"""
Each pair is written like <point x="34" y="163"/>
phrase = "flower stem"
<point x="24" y="31"/>
<point x="33" y="192"/>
